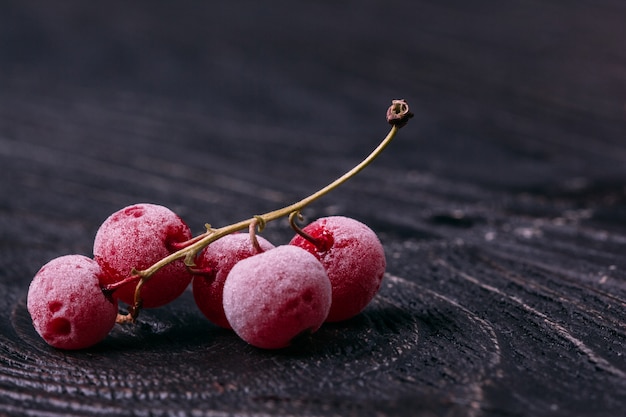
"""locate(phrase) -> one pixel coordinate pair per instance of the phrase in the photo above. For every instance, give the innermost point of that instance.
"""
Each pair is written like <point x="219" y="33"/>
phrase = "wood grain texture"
<point x="502" y="205"/>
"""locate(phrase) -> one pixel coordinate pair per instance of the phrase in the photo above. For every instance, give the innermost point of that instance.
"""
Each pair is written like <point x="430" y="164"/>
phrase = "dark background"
<point x="501" y="205"/>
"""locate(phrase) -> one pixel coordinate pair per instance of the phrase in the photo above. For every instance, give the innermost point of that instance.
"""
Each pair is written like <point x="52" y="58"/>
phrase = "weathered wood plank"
<point x="501" y="205"/>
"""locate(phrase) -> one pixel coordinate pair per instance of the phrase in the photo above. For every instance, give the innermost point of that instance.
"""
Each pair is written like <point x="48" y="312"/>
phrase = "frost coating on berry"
<point x="138" y="236"/>
<point x="272" y="297"/>
<point x="215" y="262"/>
<point x="67" y="305"/>
<point x="355" y="262"/>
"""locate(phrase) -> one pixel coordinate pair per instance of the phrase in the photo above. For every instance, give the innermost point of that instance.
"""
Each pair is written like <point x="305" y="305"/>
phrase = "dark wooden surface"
<point x="502" y="205"/>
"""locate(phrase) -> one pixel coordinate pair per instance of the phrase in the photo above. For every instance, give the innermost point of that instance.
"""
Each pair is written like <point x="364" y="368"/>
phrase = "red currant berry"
<point x="67" y="305"/>
<point x="213" y="265"/>
<point x="353" y="257"/>
<point x="272" y="297"/>
<point x="137" y="237"/>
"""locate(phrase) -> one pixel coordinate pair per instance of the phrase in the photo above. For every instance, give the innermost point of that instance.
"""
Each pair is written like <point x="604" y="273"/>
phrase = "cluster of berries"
<point x="145" y="256"/>
<point x="266" y="294"/>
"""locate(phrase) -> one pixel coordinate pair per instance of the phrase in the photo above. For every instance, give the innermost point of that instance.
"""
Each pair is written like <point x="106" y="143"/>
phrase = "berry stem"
<point x="252" y="229"/>
<point x="397" y="115"/>
<point x="298" y="229"/>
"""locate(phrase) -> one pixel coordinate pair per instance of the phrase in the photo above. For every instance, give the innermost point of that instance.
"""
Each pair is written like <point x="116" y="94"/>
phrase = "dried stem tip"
<point x="398" y="113"/>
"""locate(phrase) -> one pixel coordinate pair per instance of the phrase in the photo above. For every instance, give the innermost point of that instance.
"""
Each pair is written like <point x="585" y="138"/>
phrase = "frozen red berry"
<point x="214" y="263"/>
<point x="67" y="305"/>
<point x="137" y="237"/>
<point x="273" y="297"/>
<point x="353" y="257"/>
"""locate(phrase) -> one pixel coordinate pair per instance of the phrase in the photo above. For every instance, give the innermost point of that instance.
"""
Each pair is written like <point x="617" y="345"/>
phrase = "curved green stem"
<point x="215" y="234"/>
<point x="397" y="116"/>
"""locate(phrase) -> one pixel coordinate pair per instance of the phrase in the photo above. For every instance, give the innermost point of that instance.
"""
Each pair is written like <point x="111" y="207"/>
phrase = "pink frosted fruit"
<point x="272" y="297"/>
<point x="215" y="262"/>
<point x="67" y="305"/>
<point x="137" y="237"/>
<point x="354" y="259"/>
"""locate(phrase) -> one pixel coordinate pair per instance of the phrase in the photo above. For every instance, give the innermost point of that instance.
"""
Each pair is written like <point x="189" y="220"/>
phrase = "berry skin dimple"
<point x="271" y="298"/>
<point x="67" y="305"/>
<point x="134" y="211"/>
<point x="136" y="237"/>
<point x="354" y="260"/>
<point x="216" y="261"/>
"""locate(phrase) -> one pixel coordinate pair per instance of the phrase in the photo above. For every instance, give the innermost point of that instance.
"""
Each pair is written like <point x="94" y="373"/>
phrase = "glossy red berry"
<point x="137" y="237"/>
<point x="213" y="264"/>
<point x="67" y="305"/>
<point x="273" y="297"/>
<point x="353" y="257"/>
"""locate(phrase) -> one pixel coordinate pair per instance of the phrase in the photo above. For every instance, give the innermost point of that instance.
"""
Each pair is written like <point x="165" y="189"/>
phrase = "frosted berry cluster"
<point x="144" y="256"/>
<point x="268" y="295"/>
